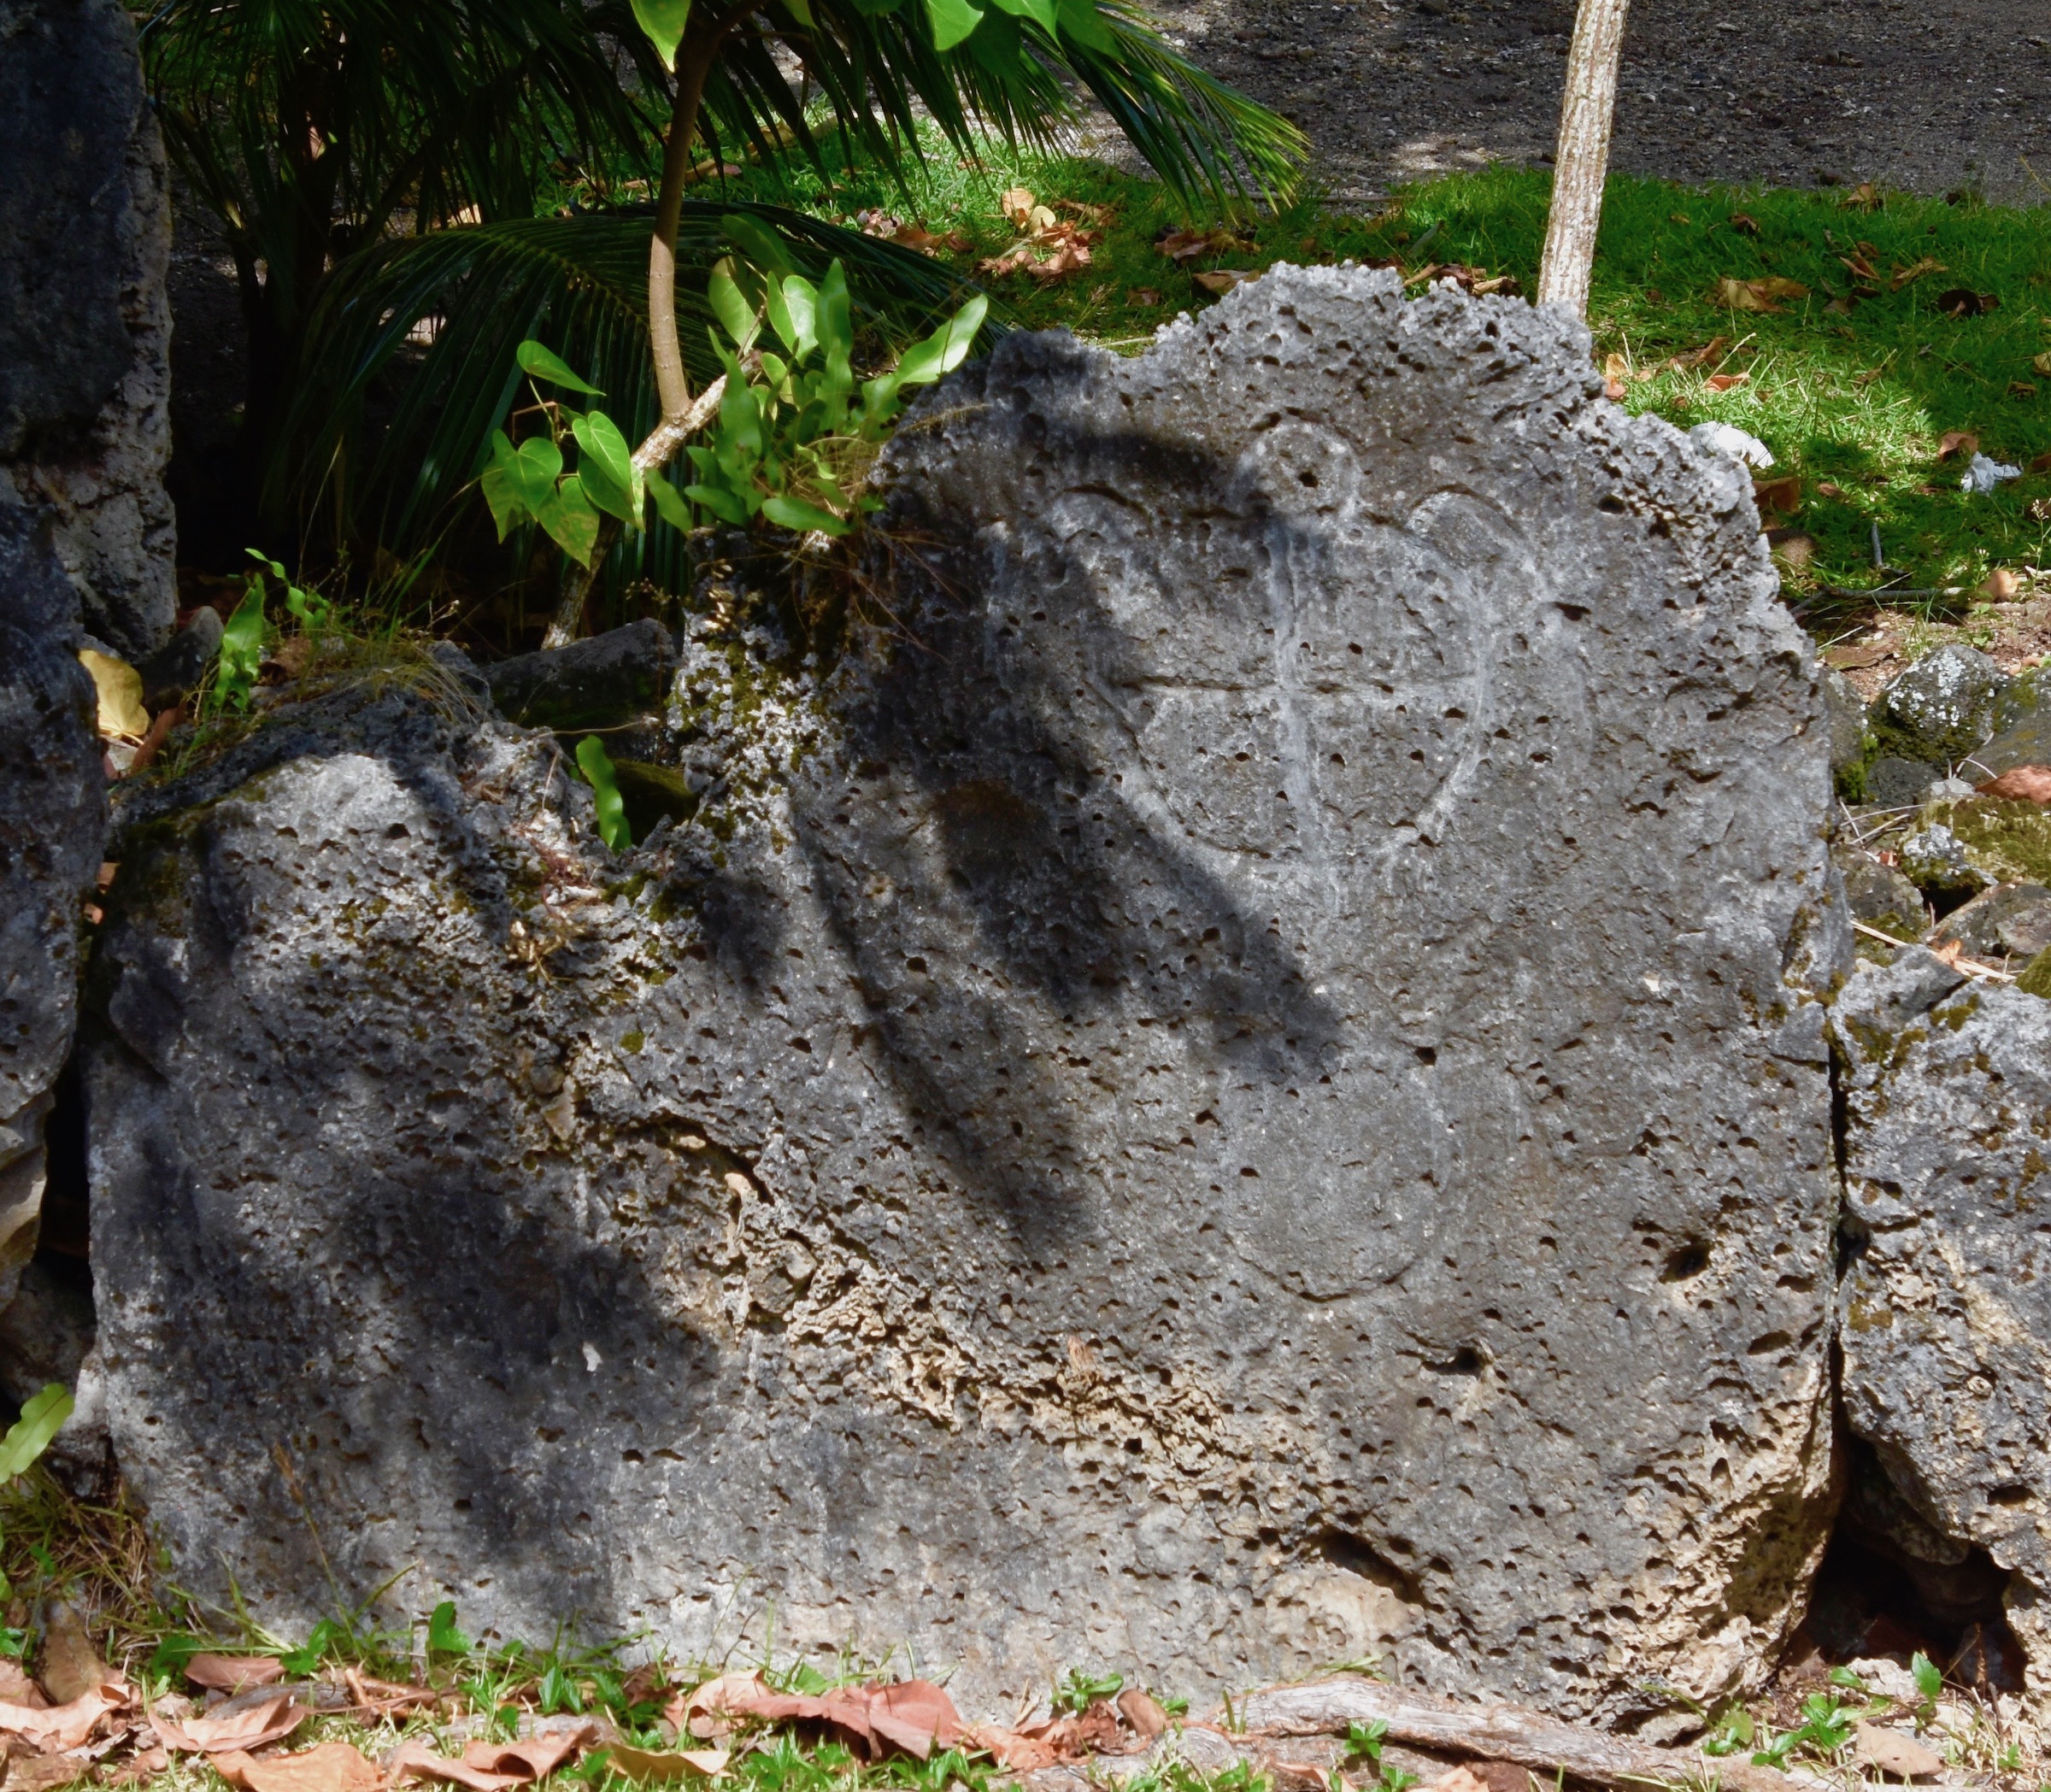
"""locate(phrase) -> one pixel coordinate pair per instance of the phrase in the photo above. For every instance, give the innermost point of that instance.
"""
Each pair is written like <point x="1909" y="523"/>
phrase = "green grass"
<point x="1857" y="399"/>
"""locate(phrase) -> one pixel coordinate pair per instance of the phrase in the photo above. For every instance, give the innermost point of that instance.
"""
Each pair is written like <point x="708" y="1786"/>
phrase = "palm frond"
<point x="393" y="445"/>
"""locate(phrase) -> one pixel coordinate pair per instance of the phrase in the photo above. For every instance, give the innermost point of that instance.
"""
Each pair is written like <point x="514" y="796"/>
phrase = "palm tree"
<point x="378" y="164"/>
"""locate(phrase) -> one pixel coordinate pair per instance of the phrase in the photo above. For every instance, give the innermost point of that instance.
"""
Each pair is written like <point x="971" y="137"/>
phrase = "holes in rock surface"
<point x="1343" y="1549"/>
<point x="1892" y="1583"/>
<point x="1465" y="1360"/>
<point x="1685" y="1262"/>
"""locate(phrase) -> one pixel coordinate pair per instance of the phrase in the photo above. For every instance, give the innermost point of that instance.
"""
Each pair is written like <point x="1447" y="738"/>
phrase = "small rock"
<point x="2010" y="920"/>
<point x="1887" y="1678"/>
<point x="1880" y="895"/>
<point x="1895" y="783"/>
<point x="172" y="673"/>
<point x="2022" y="722"/>
<point x="1888" y="1751"/>
<point x="71" y="1665"/>
<point x="610" y="678"/>
<point x="1934" y="861"/>
<point x="1146" y="1714"/>
<point x="1847" y="715"/>
<point x="1942" y="708"/>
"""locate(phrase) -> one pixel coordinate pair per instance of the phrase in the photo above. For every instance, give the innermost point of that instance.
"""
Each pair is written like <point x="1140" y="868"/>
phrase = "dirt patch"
<point x="1929" y="97"/>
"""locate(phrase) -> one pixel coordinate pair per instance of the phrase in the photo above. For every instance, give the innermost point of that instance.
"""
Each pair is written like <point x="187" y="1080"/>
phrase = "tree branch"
<point x="1581" y="161"/>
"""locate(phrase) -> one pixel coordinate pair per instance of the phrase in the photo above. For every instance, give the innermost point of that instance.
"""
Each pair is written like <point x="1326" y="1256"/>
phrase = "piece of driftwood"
<point x="1495" y="1732"/>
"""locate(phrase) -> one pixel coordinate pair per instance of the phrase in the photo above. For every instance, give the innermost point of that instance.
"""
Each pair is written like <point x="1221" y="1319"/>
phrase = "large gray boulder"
<point x="1946" y="1307"/>
<point x="84" y="326"/>
<point x="1240" y="1087"/>
<point x="53" y="812"/>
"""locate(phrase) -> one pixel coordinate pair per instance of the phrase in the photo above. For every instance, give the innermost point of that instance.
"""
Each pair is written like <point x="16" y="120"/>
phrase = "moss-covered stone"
<point x="2035" y="979"/>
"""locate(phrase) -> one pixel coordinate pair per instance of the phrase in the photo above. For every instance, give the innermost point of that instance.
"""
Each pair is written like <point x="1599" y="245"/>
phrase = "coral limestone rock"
<point x="1254" y="1095"/>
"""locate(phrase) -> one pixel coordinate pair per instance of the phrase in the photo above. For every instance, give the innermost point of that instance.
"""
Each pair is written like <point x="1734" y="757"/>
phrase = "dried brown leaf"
<point x="327" y="1768"/>
<point x="1725" y="382"/>
<point x="1863" y="197"/>
<point x="537" y="1756"/>
<point x="664" y="1767"/>
<point x="415" y="1760"/>
<point x="234" y="1673"/>
<point x="1760" y="295"/>
<point x="2023" y="784"/>
<point x="1223" y="279"/>
<point x="1783" y="493"/>
<point x="246" y="1722"/>
<point x="16" y="1688"/>
<point x="45" y="1773"/>
<point x="1147" y="1715"/>
<point x="1915" y="271"/>
<point x="54" y="1728"/>
<point x="1744" y="224"/>
<point x="1960" y="442"/>
<point x="1143" y="296"/>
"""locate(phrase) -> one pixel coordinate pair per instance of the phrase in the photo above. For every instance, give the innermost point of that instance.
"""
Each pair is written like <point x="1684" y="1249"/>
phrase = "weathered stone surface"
<point x="605" y="678"/>
<point x="1934" y="860"/>
<point x="1946" y="1310"/>
<point x="2022" y="725"/>
<point x="1880" y="895"/>
<point x="2010" y="920"/>
<point x="1252" y="1097"/>
<point x="85" y="329"/>
<point x="53" y="814"/>
<point x="1846" y="709"/>
<point x="1942" y="708"/>
<point x="1892" y="782"/>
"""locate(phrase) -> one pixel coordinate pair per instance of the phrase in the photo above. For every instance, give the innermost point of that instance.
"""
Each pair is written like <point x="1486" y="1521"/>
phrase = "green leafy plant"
<point x="43" y="1415"/>
<point x="1732" y="1731"/>
<point x="788" y="445"/>
<point x="444" y="1637"/>
<point x="1824" y="1732"/>
<point x="611" y="811"/>
<point x="1079" y="1690"/>
<point x="241" y="656"/>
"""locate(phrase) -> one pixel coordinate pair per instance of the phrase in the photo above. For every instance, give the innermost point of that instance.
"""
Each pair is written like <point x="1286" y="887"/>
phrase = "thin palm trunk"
<point x="1581" y="162"/>
<point x="681" y="418"/>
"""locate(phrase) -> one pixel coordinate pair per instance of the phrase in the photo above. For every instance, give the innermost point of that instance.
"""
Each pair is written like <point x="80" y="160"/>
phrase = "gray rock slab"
<point x="2010" y="920"/>
<point x="1239" y="1087"/>
<point x="85" y="324"/>
<point x="1946" y="1307"/>
<point x="53" y="816"/>
<point x="605" y="678"/>
<point x="1880" y="895"/>
<point x="1942" y="708"/>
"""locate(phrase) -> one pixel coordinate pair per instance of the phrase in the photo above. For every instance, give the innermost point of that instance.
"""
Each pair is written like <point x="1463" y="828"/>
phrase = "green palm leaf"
<point x="397" y="467"/>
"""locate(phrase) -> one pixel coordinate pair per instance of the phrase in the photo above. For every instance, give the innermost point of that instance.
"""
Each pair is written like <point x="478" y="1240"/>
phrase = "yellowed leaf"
<point x="1760" y="295"/>
<point x="664" y="1767"/>
<point x="120" y="687"/>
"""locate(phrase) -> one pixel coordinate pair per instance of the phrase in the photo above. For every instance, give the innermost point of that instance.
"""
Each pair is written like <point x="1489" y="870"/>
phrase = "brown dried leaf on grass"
<point x="1760" y="294"/>
<point x="664" y="1767"/>
<point x="234" y="1673"/>
<point x="493" y="1767"/>
<point x="1962" y="442"/>
<point x="1069" y="257"/>
<point x="327" y="1768"/>
<point x="1223" y="279"/>
<point x="1183" y="246"/>
<point x="1093" y="1731"/>
<point x="17" y="1688"/>
<point x="373" y="1694"/>
<point x="45" y="1773"/>
<point x="1725" y="382"/>
<point x="245" y="1723"/>
<point x="2024" y="784"/>
<point x="1784" y="494"/>
<point x="913" y="1715"/>
<point x="1915" y="271"/>
<point x="54" y="1728"/>
<point x="143" y="1765"/>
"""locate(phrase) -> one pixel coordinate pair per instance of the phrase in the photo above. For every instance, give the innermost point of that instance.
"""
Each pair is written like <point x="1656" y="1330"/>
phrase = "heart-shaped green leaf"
<point x="535" y="467"/>
<point x="570" y="521"/>
<point x="664" y="21"/>
<point x="605" y="451"/>
<point x="1041" y="12"/>
<point x="953" y="21"/>
<point x="544" y="364"/>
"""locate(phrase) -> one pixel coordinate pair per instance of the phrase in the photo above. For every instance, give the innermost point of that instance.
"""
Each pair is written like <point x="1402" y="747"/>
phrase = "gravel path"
<point x="1929" y="95"/>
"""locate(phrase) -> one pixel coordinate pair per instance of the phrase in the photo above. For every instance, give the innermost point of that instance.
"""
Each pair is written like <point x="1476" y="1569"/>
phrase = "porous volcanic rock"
<point x="85" y="324"/>
<point x="1239" y="1086"/>
<point x="53" y="812"/>
<point x="1946" y="1308"/>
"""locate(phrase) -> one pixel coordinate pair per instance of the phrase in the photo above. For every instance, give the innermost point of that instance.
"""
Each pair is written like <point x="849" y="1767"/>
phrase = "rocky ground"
<point x="1930" y="98"/>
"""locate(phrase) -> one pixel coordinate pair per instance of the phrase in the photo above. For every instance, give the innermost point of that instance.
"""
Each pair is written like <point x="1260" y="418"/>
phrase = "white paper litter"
<point x="1726" y="438"/>
<point x="1983" y="475"/>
